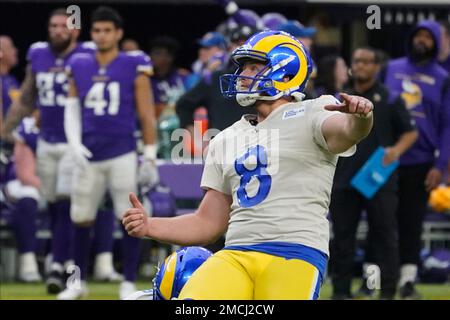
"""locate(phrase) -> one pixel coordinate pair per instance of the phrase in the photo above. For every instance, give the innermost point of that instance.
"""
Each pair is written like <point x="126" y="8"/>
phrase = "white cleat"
<point x="112" y="276"/>
<point x="104" y="268"/>
<point x="74" y="292"/>
<point x="28" y="270"/>
<point x="141" y="295"/>
<point x="127" y="288"/>
<point x="30" y="277"/>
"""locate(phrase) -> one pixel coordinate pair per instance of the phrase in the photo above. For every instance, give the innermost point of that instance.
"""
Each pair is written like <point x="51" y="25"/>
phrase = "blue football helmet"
<point x="176" y="270"/>
<point x="288" y="66"/>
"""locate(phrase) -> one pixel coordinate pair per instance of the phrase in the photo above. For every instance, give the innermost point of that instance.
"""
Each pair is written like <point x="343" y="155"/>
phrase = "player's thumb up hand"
<point x="135" y="202"/>
<point x="135" y="219"/>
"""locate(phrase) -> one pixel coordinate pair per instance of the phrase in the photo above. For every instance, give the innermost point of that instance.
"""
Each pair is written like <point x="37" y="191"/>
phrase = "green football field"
<point x="109" y="291"/>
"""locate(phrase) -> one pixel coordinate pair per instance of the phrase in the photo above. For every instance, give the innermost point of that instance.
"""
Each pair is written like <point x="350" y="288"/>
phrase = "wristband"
<point x="150" y="151"/>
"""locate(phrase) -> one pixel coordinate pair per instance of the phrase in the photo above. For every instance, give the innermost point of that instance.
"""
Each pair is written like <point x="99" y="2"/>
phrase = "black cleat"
<point x="409" y="292"/>
<point x="55" y="282"/>
<point x="364" y="291"/>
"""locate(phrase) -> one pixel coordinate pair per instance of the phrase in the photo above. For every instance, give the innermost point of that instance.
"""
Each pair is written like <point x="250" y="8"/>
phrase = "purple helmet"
<point x="272" y="20"/>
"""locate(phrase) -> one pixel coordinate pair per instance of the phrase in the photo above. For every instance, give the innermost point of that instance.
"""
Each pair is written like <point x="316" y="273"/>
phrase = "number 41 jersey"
<point x="279" y="173"/>
<point x="107" y="97"/>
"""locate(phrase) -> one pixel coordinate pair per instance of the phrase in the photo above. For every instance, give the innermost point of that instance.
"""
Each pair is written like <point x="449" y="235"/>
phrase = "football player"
<point x="45" y="86"/>
<point x="22" y="197"/>
<point x="10" y="91"/>
<point x="268" y="180"/>
<point x="10" y="85"/>
<point x="108" y="91"/>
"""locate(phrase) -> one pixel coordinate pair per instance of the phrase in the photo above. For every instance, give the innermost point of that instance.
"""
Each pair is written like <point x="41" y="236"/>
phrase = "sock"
<point x="408" y="273"/>
<point x="24" y="224"/>
<point x="28" y="263"/>
<point x="131" y="249"/>
<point x="62" y="232"/>
<point x="103" y="263"/>
<point x="82" y="243"/>
<point x="103" y="234"/>
<point x="51" y="209"/>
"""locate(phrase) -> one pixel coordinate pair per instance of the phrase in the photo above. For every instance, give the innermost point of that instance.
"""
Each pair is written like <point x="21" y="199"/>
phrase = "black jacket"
<point x="391" y="120"/>
<point x="222" y="112"/>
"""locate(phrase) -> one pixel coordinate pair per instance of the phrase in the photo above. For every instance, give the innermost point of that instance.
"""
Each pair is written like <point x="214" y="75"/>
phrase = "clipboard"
<point x="373" y="174"/>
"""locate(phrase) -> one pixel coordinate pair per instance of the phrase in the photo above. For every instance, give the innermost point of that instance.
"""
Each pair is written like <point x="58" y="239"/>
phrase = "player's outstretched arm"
<point x="21" y="107"/>
<point x="204" y="226"/>
<point x="342" y="131"/>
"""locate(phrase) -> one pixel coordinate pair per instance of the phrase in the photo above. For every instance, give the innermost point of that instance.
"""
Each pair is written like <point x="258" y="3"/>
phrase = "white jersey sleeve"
<point x="318" y="117"/>
<point x="213" y="177"/>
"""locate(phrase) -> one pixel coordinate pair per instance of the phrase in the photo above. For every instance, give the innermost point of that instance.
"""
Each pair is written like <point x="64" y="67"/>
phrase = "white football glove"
<point x="148" y="175"/>
<point x="80" y="154"/>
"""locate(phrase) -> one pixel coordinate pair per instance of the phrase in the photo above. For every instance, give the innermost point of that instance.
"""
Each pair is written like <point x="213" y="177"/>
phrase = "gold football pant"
<point x="247" y="275"/>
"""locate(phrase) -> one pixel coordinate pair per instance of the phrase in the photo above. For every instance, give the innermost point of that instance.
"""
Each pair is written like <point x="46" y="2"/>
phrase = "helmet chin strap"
<point x="298" y="96"/>
<point x="246" y="99"/>
<point x="249" y="99"/>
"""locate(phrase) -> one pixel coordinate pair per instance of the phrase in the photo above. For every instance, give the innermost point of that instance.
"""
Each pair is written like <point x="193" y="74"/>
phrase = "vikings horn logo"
<point x="412" y="95"/>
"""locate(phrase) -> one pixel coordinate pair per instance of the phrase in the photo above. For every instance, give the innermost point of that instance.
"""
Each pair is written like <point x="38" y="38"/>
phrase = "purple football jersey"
<point x="27" y="132"/>
<point x="51" y="83"/>
<point x="169" y="89"/>
<point x="106" y="93"/>
<point x="10" y="90"/>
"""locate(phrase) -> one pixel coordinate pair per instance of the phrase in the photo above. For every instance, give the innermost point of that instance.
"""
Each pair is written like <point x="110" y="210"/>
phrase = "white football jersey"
<point x="279" y="173"/>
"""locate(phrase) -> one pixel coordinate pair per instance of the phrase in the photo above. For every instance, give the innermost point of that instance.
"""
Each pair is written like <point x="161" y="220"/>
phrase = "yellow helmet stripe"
<point x="268" y="43"/>
<point x="169" y="275"/>
<point x="301" y="74"/>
